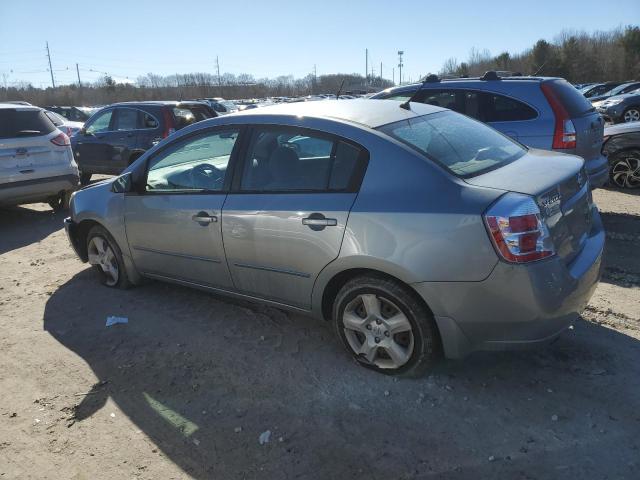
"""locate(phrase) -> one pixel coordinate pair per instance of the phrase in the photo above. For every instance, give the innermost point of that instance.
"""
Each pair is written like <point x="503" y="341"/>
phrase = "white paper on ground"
<point x="115" y="320"/>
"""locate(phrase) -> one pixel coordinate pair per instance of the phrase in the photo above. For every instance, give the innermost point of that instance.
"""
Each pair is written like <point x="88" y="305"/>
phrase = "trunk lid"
<point x="559" y="185"/>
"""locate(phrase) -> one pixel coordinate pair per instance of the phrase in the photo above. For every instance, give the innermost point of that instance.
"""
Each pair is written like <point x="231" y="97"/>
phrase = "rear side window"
<point x="498" y="108"/>
<point x="187" y="114"/>
<point x="464" y="146"/>
<point x="24" y="123"/>
<point x="573" y="101"/>
<point x="283" y="160"/>
<point x="56" y="119"/>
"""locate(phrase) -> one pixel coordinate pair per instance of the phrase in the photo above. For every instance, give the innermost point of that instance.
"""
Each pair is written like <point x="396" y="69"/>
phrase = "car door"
<point x="285" y="218"/>
<point x="92" y="147"/>
<point x="173" y="226"/>
<point x="124" y="137"/>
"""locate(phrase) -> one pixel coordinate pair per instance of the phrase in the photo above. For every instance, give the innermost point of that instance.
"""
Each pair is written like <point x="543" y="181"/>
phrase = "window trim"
<point x="230" y="172"/>
<point x="355" y="182"/>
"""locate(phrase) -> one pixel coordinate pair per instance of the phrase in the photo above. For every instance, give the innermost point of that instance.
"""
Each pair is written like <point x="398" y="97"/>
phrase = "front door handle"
<point x="317" y="221"/>
<point x="204" y="219"/>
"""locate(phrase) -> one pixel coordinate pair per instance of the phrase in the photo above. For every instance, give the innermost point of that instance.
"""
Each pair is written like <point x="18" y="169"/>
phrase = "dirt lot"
<point x="187" y="387"/>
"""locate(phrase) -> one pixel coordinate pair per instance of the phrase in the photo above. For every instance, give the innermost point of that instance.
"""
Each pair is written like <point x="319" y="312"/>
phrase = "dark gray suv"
<point x="540" y="112"/>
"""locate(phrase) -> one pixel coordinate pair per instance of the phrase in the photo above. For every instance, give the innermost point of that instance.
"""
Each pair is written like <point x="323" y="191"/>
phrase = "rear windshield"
<point x="188" y="114"/>
<point x="24" y="123"/>
<point x="464" y="146"/>
<point x="573" y="101"/>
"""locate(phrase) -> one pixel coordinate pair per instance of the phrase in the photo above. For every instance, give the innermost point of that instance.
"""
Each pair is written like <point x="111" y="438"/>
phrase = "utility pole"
<point x="218" y="71"/>
<point x="315" y="80"/>
<point x="366" y="66"/>
<point x="381" y="73"/>
<point x="78" y="72"/>
<point x="53" y="82"/>
<point x="393" y="75"/>
<point x="400" y="65"/>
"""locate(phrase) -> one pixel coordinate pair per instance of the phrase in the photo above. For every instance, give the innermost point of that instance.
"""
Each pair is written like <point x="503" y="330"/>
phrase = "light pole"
<point x="400" y="65"/>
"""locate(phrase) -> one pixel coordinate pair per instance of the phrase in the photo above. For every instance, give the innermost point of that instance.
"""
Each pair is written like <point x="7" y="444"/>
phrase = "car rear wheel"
<point x="105" y="255"/>
<point x="631" y="115"/>
<point x="85" y="178"/>
<point x="385" y="327"/>
<point x="624" y="171"/>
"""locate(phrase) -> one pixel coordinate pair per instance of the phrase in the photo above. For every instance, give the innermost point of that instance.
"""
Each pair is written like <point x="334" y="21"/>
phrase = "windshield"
<point x="24" y="123"/>
<point x="464" y="146"/>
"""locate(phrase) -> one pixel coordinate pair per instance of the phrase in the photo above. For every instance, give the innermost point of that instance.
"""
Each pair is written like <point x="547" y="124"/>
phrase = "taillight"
<point x="517" y="229"/>
<point x="61" y="140"/>
<point x="168" y="123"/>
<point x="564" y="133"/>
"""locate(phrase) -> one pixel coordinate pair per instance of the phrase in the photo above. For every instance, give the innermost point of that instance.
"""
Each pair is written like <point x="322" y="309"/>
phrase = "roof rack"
<point x="490" y="75"/>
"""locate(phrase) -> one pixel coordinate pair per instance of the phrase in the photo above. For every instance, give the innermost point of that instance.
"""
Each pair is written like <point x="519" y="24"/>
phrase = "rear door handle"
<point x="324" y="222"/>
<point x="204" y="219"/>
<point x="317" y="222"/>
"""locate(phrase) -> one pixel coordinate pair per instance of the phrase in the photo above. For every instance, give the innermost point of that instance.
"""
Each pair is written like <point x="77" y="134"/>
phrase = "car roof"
<point x="18" y="106"/>
<point x="469" y="80"/>
<point x="371" y="113"/>
<point x="155" y="102"/>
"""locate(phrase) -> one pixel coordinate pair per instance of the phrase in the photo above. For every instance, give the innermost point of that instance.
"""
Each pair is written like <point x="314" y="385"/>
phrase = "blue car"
<point x="539" y="112"/>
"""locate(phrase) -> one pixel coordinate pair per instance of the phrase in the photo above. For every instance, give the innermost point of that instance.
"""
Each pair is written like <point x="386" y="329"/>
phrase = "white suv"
<point x="36" y="161"/>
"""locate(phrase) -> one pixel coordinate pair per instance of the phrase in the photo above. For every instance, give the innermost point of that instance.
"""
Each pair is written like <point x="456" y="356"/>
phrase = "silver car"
<point x="36" y="161"/>
<point x="416" y="231"/>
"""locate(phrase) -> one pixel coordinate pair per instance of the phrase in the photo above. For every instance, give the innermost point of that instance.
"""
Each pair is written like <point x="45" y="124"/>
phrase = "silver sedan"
<point x="415" y="230"/>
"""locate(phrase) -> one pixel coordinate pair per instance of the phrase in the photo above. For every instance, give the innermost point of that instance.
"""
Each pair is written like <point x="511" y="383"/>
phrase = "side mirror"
<point x="122" y="184"/>
<point x="84" y="131"/>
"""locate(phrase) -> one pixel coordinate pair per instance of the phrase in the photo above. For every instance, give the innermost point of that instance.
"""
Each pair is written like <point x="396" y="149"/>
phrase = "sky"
<point x="265" y="38"/>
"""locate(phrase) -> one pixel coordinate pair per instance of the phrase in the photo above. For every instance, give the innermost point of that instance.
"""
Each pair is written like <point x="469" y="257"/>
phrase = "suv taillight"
<point x="168" y="123"/>
<point x="564" y="132"/>
<point x="61" y="140"/>
<point x="517" y="229"/>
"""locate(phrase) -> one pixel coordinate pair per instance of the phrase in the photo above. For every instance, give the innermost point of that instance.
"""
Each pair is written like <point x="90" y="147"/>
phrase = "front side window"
<point x="464" y="146"/>
<point x="100" y="123"/>
<point x="194" y="165"/>
<point x="286" y="160"/>
<point x="126" y="119"/>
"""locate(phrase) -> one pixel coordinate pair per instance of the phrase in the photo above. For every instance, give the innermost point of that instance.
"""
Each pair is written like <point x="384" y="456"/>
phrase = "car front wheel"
<point x="385" y="327"/>
<point x="105" y="256"/>
<point x="624" y="171"/>
<point x="631" y="115"/>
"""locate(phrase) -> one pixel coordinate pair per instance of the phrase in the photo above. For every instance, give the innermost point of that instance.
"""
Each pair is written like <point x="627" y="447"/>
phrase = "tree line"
<point x="579" y="57"/>
<point x="190" y="86"/>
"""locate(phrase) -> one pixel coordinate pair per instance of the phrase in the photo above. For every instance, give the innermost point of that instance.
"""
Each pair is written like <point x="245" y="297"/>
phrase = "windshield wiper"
<point x="28" y="132"/>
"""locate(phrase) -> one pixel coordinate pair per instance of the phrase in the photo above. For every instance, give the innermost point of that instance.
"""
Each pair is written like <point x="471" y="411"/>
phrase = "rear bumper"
<point x="36" y="190"/>
<point x="517" y="306"/>
<point x="598" y="171"/>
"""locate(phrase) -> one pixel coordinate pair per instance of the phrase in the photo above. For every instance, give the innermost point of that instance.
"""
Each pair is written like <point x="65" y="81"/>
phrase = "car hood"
<point x="536" y="172"/>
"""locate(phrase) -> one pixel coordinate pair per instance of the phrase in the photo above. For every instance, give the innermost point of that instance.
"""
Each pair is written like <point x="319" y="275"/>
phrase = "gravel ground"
<point x="190" y="386"/>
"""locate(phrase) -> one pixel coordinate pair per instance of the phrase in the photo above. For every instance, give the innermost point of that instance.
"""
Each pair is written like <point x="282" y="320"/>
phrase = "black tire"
<point x="426" y="338"/>
<point x="60" y="202"/>
<point x="85" y="178"/>
<point x="622" y="169"/>
<point x="122" y="280"/>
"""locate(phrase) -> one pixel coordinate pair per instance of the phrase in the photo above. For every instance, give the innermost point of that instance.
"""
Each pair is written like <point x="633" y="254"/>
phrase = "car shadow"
<point x="205" y="378"/>
<point x="21" y="226"/>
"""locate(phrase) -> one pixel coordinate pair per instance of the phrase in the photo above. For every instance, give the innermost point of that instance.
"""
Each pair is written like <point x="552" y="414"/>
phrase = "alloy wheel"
<point x="378" y="331"/>
<point x="625" y="172"/>
<point x="632" y="115"/>
<point x="101" y="254"/>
